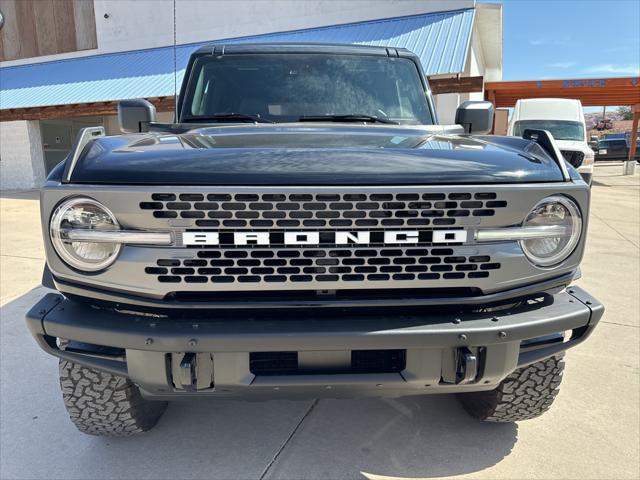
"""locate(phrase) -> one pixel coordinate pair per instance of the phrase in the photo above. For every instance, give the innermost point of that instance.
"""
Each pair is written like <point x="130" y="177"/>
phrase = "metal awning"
<point x="592" y="92"/>
<point x="441" y="40"/>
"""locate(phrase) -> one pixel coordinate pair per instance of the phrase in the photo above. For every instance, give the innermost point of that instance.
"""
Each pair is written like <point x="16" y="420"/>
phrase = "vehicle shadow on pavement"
<point x="423" y="436"/>
<point x="407" y="437"/>
<point x="220" y="438"/>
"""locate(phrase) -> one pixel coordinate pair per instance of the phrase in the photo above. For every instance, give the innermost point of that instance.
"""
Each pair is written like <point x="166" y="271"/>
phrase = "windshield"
<point x="286" y="87"/>
<point x="560" y="129"/>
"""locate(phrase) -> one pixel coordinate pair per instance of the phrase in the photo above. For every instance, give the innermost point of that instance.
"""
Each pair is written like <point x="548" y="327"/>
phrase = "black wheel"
<point x="526" y="393"/>
<point x="104" y="404"/>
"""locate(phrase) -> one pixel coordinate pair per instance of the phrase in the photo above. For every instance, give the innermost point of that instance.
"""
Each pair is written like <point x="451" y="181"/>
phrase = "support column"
<point x="22" y="165"/>
<point x="490" y="96"/>
<point x="630" y="164"/>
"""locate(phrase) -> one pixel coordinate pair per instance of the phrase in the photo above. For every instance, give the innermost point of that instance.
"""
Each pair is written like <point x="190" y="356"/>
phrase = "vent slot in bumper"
<point x="361" y="361"/>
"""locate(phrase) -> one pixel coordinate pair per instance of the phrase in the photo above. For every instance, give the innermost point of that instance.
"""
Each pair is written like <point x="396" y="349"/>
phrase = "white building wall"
<point x="475" y="64"/>
<point x="446" y="104"/>
<point x="149" y="23"/>
<point x="21" y="155"/>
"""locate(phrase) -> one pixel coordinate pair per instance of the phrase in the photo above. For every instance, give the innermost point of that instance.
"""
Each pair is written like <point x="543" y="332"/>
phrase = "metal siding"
<point x="441" y="40"/>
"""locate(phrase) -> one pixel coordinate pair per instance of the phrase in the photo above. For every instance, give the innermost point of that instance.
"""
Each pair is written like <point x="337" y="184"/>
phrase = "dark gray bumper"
<point x="431" y="340"/>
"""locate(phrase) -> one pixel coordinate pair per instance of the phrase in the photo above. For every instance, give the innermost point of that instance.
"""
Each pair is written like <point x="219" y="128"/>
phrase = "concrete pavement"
<point x="592" y="431"/>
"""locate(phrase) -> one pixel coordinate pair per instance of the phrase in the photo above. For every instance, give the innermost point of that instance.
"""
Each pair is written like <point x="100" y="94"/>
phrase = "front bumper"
<point x="443" y="351"/>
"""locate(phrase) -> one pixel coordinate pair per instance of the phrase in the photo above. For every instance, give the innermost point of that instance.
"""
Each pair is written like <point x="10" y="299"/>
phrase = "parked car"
<point x="604" y="124"/>
<point x="614" y="149"/>
<point x="564" y="119"/>
<point x="307" y="228"/>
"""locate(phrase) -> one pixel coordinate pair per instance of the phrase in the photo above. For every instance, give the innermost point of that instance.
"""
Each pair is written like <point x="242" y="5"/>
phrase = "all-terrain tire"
<point x="526" y="393"/>
<point x="103" y="404"/>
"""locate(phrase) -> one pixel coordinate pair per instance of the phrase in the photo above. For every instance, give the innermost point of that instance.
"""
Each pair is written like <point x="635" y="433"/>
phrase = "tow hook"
<point x="467" y="366"/>
<point x="188" y="377"/>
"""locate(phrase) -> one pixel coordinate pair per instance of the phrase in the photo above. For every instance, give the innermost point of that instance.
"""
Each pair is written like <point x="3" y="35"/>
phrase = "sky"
<point x="553" y="39"/>
<point x="547" y="39"/>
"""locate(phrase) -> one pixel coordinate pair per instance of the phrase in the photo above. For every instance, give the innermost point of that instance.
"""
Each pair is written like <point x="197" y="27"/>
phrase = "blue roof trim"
<point x="441" y="40"/>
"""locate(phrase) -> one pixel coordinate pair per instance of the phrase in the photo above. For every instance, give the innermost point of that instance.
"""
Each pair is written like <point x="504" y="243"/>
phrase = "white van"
<point x="562" y="117"/>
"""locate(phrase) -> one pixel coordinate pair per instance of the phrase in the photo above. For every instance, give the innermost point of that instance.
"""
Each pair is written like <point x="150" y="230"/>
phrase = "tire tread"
<point x="103" y="404"/>
<point x="524" y="394"/>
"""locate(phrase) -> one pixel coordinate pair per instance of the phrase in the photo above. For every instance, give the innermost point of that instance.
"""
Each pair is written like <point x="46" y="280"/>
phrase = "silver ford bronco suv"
<point x="306" y="228"/>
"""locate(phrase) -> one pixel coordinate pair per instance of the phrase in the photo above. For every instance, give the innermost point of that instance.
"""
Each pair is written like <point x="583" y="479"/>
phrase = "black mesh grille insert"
<point x="339" y="210"/>
<point x="349" y="265"/>
<point x="573" y="157"/>
<point x="273" y="363"/>
<point x="378" y="361"/>
<point x="362" y="361"/>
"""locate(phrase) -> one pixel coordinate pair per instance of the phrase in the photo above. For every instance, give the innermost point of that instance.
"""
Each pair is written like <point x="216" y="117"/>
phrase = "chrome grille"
<point x="305" y="265"/>
<point x="325" y="210"/>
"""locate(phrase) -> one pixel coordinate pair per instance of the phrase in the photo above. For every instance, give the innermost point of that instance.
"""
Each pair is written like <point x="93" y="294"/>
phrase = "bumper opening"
<point x="327" y="362"/>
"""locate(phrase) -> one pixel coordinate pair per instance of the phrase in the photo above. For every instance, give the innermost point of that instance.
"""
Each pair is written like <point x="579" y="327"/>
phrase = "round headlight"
<point x="87" y="214"/>
<point x="556" y="211"/>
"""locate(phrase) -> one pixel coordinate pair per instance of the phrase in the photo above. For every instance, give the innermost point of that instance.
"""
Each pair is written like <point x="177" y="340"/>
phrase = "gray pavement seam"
<point x="22" y="256"/>
<point x="614" y="229"/>
<point x="286" y="442"/>
<point x="619" y="324"/>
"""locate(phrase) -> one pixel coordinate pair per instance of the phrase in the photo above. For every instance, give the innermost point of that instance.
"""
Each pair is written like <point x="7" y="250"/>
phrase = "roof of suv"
<point x="335" y="48"/>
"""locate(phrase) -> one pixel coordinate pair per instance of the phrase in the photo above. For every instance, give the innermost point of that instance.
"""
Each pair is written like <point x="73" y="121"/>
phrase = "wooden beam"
<point x="590" y="91"/>
<point x="455" y="85"/>
<point x="162" y="104"/>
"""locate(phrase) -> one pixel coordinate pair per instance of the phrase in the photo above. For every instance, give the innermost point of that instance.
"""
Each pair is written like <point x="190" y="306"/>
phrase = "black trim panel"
<point x="377" y="300"/>
<point x="55" y="316"/>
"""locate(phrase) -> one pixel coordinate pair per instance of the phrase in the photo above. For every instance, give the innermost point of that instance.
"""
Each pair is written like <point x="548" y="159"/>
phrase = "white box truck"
<point x="564" y="119"/>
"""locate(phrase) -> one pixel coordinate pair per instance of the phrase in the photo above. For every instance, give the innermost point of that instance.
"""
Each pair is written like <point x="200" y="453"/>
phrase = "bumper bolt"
<point x="588" y="302"/>
<point x="462" y="337"/>
<point x="502" y="334"/>
<point x="494" y="319"/>
<point x="193" y="342"/>
<point x="456" y="321"/>
<point x="148" y="341"/>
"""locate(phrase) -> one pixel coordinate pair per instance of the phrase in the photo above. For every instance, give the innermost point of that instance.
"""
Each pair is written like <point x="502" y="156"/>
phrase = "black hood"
<point x="312" y="155"/>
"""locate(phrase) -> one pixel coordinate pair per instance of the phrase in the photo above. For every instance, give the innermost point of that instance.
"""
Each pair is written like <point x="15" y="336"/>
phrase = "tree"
<point x="626" y="113"/>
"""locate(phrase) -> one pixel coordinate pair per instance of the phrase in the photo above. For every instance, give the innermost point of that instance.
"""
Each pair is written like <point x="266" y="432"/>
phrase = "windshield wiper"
<point x="219" y="117"/>
<point x="351" y="117"/>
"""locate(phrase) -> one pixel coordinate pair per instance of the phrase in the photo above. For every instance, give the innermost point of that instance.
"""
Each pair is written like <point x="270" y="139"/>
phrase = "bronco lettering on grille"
<point x="393" y="237"/>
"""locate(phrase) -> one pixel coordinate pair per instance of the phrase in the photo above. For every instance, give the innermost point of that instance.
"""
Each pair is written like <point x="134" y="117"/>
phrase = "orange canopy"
<point x="592" y="92"/>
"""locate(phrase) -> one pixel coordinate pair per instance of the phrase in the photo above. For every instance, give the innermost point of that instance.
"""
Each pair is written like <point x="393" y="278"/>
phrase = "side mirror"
<point x="475" y="116"/>
<point x="135" y="115"/>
